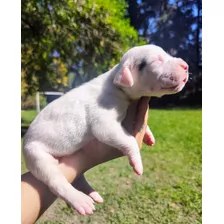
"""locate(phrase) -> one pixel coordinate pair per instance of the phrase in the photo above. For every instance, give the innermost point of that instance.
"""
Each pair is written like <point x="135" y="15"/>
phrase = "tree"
<point x="87" y="36"/>
<point x="176" y="27"/>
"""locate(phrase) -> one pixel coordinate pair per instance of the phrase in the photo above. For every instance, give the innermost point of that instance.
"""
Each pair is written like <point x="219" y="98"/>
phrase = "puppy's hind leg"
<point x="45" y="168"/>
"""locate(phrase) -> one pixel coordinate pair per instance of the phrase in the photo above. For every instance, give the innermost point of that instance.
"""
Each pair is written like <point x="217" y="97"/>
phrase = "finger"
<point x="141" y="118"/>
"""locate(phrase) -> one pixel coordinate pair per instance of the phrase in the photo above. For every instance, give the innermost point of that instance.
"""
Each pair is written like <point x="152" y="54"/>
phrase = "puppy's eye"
<point x="158" y="60"/>
<point x="142" y="65"/>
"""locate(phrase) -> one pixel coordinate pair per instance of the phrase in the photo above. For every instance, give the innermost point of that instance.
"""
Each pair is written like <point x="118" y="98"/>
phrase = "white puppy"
<point x="96" y="110"/>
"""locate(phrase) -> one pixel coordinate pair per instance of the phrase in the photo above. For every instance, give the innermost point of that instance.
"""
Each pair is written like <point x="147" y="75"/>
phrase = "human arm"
<point x="36" y="197"/>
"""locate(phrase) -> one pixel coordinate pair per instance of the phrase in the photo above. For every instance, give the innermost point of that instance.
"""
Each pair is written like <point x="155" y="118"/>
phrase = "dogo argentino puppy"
<point x="96" y="110"/>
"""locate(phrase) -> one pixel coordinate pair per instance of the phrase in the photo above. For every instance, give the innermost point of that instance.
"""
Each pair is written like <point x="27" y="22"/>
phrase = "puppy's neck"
<point x="111" y="96"/>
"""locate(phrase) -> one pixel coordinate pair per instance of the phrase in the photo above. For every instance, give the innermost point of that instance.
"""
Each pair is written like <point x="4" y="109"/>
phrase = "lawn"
<point x="27" y="117"/>
<point x="169" y="190"/>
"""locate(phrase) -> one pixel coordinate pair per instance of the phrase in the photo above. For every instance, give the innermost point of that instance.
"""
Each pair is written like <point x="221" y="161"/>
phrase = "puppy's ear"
<point x="124" y="78"/>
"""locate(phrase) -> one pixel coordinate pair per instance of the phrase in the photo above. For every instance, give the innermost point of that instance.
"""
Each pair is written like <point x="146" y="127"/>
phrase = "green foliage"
<point x="170" y="190"/>
<point x="88" y="35"/>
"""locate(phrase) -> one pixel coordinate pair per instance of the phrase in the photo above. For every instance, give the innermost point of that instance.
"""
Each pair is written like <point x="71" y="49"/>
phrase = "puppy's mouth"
<point x="172" y="84"/>
<point x="170" y="88"/>
<point x="174" y="88"/>
<point x="169" y="82"/>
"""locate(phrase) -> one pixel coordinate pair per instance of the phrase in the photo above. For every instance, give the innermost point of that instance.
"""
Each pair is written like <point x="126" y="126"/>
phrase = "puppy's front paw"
<point x="136" y="162"/>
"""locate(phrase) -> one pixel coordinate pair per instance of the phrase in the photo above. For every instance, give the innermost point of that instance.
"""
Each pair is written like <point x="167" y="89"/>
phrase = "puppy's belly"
<point x="59" y="139"/>
<point x="65" y="147"/>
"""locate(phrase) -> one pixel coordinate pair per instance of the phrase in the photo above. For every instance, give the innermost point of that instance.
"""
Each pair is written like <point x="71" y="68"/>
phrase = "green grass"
<point x="27" y="117"/>
<point x="169" y="190"/>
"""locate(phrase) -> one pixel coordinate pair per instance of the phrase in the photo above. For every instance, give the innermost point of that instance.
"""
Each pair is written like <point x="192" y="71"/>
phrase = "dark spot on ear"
<point x="142" y="64"/>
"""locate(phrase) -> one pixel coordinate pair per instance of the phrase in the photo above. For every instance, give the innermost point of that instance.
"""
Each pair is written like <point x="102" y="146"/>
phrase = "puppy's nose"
<point x="184" y="66"/>
<point x="184" y="70"/>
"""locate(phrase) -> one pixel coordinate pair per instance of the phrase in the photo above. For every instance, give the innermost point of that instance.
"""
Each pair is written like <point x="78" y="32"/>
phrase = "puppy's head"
<point x="149" y="71"/>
